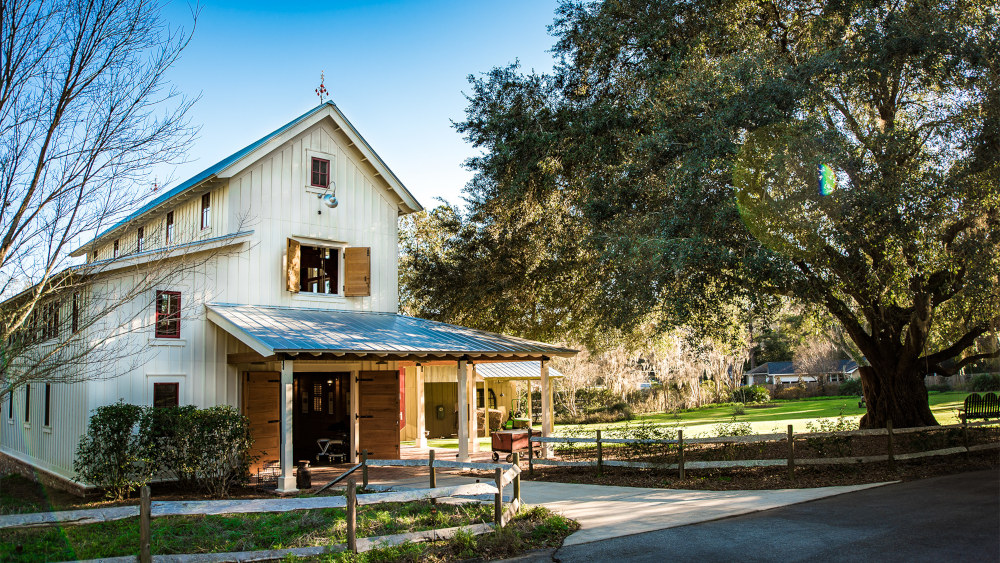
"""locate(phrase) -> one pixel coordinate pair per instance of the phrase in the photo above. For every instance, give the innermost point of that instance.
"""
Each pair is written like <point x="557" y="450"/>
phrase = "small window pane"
<point x="166" y="394"/>
<point x="320" y="173"/>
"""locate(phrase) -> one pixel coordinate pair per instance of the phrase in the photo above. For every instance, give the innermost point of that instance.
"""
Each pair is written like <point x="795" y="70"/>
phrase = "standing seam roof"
<point x="287" y="329"/>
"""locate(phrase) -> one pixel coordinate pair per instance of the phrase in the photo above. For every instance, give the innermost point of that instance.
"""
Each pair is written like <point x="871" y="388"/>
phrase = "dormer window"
<point x="170" y="227"/>
<point x="206" y="211"/>
<point x="320" y="173"/>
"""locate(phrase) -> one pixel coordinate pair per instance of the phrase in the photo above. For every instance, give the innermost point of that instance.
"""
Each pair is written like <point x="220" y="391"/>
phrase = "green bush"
<point x="207" y="449"/>
<point x="113" y="454"/>
<point x="851" y="387"/>
<point x="985" y="382"/>
<point x="220" y="443"/>
<point x="751" y="394"/>
<point x="169" y="433"/>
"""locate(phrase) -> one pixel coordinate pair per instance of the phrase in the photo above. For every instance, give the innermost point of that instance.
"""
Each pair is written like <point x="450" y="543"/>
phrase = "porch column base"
<point x="286" y="484"/>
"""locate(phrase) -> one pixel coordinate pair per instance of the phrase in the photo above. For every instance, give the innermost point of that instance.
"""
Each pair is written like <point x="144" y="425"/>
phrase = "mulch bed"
<point x="757" y="478"/>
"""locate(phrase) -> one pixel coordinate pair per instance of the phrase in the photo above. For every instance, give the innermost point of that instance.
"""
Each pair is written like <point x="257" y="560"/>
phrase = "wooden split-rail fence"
<point x="788" y="437"/>
<point x="504" y="474"/>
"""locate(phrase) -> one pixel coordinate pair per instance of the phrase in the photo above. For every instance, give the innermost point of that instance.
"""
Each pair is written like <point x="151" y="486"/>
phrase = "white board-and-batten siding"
<point x="273" y="193"/>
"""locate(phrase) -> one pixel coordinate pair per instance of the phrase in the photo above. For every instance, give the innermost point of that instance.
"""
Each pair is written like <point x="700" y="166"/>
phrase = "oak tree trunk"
<point x="895" y="396"/>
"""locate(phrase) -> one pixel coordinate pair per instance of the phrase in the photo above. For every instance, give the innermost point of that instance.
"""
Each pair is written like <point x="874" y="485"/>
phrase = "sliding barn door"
<point x="378" y="407"/>
<point x="261" y="404"/>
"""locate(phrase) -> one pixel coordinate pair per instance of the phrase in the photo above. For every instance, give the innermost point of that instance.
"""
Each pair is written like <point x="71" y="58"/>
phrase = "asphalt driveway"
<point x="951" y="518"/>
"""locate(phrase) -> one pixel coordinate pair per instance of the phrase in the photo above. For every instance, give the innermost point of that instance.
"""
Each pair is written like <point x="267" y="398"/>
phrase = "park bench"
<point x="980" y="406"/>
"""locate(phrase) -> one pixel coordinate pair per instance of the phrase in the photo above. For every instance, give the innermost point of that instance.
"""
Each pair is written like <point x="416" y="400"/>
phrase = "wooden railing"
<point x="504" y="474"/>
<point x="789" y="438"/>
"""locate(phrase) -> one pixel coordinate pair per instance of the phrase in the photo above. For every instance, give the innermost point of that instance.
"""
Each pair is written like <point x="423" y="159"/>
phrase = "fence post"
<point x="892" y="457"/>
<point x="352" y="515"/>
<point x="498" y="499"/>
<point x="680" y="453"/>
<point x="145" y="531"/>
<point x="965" y="436"/>
<point x="600" y="454"/>
<point x="531" y="455"/>
<point x="364" y="469"/>
<point x="791" y="453"/>
<point x="517" y="478"/>
<point x="434" y="480"/>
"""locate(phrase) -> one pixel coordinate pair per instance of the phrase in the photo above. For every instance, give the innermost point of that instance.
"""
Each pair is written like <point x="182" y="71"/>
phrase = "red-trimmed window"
<point x="206" y="211"/>
<point x="320" y="173"/>
<point x="47" y="419"/>
<point x="168" y="314"/>
<point x="170" y="227"/>
<point x="166" y="395"/>
<point x="140" y="239"/>
<point x="75" y="321"/>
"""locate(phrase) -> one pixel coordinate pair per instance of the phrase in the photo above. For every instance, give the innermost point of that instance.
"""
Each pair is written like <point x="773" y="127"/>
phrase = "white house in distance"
<point x="289" y="313"/>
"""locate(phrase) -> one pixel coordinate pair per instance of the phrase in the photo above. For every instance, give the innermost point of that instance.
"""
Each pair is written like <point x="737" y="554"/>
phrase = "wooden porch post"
<point x="486" y="408"/>
<point x="286" y="483"/>
<point x="355" y="421"/>
<point x="463" y="410"/>
<point x="473" y="419"/>
<point x="529" y="405"/>
<point x="421" y="407"/>
<point x="546" y="406"/>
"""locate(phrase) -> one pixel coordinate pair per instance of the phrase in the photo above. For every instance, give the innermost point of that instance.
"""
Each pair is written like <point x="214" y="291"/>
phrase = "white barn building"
<point x="289" y="312"/>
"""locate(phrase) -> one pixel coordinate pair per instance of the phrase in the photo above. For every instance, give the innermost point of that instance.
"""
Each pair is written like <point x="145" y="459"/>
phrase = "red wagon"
<point x="510" y="441"/>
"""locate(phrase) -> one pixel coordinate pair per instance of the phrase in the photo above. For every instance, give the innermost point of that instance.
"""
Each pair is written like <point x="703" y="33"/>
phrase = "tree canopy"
<point x="670" y="169"/>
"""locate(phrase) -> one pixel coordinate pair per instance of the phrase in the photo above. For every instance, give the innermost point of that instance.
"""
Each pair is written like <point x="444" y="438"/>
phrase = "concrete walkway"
<point x="610" y="512"/>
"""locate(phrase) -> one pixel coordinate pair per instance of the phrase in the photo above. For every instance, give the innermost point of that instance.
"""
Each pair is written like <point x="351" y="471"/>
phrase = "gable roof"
<point x="270" y="330"/>
<point x="239" y="160"/>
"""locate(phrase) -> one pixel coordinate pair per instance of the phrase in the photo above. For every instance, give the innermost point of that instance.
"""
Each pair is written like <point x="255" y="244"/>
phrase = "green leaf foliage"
<point x="669" y="169"/>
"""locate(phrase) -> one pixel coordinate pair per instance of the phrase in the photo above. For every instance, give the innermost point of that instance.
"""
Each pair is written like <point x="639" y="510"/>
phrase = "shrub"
<point x="168" y="432"/>
<point x="220" y="445"/>
<point x="985" y="382"/>
<point x="739" y="409"/>
<point x="851" y="387"/>
<point x="207" y="449"/>
<point x="113" y="454"/>
<point x="941" y="387"/>
<point x="733" y="428"/>
<point x="751" y="394"/>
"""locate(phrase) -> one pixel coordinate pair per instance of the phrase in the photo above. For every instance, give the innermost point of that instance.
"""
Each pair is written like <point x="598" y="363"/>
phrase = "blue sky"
<point x="397" y="69"/>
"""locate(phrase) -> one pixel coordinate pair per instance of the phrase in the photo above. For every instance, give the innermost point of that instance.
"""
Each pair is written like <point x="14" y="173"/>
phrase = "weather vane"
<point x="321" y="91"/>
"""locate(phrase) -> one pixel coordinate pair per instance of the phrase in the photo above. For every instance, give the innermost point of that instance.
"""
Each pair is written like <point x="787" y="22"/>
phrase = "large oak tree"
<point x="669" y="167"/>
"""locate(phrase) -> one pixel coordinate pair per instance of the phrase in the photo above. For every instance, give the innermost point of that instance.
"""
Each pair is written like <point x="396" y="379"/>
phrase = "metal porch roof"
<point x="514" y="370"/>
<point x="272" y="330"/>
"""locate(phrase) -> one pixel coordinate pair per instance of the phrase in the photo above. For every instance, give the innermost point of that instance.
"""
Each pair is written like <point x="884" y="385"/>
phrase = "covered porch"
<point x="322" y="368"/>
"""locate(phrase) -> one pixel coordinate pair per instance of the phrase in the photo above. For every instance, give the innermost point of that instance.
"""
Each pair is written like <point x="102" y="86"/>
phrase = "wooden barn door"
<point x="378" y="407"/>
<point x="261" y="404"/>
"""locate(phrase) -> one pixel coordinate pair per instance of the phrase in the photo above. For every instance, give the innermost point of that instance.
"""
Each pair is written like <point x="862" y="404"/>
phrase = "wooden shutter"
<point x="292" y="265"/>
<point x="357" y="271"/>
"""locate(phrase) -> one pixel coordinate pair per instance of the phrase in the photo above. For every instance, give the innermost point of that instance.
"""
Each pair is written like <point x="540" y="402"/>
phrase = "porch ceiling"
<point x="352" y="335"/>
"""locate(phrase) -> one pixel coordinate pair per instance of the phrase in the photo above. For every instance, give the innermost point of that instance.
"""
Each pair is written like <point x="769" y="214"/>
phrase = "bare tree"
<point x="85" y="112"/>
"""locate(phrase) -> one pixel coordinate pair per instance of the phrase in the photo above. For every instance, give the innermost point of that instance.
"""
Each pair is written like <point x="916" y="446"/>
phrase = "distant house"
<point x="785" y="373"/>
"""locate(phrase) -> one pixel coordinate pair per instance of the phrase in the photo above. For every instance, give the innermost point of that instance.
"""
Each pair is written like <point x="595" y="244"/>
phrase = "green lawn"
<point x="773" y="418"/>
